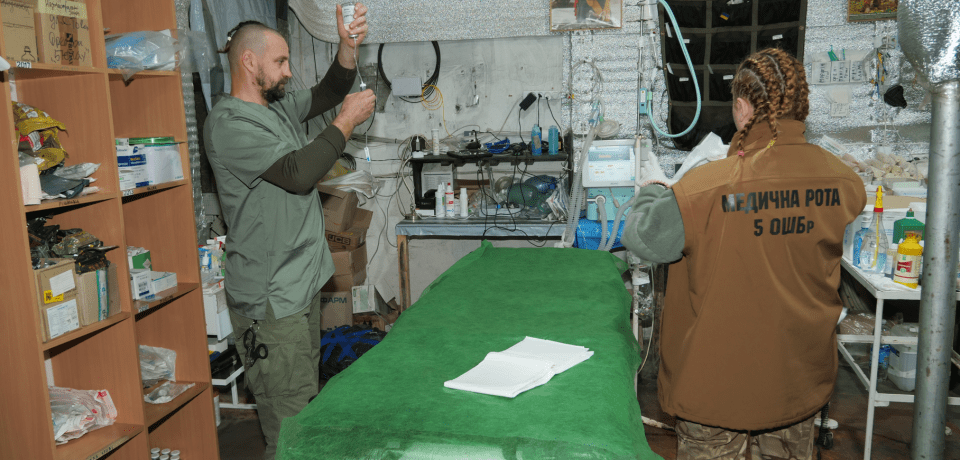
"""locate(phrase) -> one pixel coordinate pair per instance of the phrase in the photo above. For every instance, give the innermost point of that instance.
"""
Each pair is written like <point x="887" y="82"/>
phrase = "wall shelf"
<point x="97" y="106"/>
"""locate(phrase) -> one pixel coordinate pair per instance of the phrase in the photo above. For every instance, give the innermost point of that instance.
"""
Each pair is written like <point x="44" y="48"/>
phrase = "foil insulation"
<point x="193" y="136"/>
<point x="413" y="21"/>
<point x="930" y="38"/>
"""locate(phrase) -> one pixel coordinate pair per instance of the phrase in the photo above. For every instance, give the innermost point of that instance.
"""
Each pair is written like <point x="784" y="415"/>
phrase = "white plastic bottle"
<point x="440" y="206"/>
<point x="451" y="204"/>
<point x="463" y="202"/>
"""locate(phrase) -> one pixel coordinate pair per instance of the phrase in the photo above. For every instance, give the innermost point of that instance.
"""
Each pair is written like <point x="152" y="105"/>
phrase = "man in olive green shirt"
<point x="266" y="168"/>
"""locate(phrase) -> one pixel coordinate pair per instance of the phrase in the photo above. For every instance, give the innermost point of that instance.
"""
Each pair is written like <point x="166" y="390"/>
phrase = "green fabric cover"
<point x="391" y="403"/>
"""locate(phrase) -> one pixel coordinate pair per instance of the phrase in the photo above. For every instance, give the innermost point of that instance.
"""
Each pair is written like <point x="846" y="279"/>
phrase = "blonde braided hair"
<point x="775" y="84"/>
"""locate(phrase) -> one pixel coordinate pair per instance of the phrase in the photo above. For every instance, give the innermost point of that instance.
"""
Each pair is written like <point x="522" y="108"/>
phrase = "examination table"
<point x="391" y="403"/>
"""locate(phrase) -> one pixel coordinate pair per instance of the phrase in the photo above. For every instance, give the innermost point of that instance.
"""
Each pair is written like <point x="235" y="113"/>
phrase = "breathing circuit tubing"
<point x="693" y="75"/>
<point x="603" y="130"/>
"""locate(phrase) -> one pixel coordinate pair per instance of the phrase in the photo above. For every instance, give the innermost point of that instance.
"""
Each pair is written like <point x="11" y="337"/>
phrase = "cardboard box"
<point x="60" y="317"/>
<point x="161" y="281"/>
<point x="382" y="322"/>
<point x="163" y="162"/>
<point x="132" y="168"/>
<point x="353" y="237"/>
<point x="140" y="259"/>
<point x="215" y="311"/>
<point x="366" y="299"/>
<point x="339" y="208"/>
<point x="350" y="262"/>
<point x="346" y="282"/>
<point x="141" y="283"/>
<point x="335" y="308"/>
<point x="55" y="283"/>
<point x="64" y="33"/>
<point x="20" y="30"/>
<point x="94" y="296"/>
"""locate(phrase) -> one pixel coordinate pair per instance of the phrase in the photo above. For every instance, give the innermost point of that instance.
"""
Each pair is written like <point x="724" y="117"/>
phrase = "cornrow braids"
<point x="234" y="30"/>
<point x="774" y="83"/>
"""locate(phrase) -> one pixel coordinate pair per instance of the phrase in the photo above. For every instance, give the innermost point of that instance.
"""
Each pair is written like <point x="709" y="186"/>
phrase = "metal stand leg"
<point x="874" y="368"/>
<point x="403" y="256"/>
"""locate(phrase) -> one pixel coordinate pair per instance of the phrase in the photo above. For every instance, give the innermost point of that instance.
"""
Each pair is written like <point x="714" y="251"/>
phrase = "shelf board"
<point x="98" y="443"/>
<point x="152" y="188"/>
<point x="29" y="70"/>
<point x="164" y="297"/>
<point x="117" y="74"/>
<point x="154" y="413"/>
<point x="67" y="202"/>
<point x="86" y="330"/>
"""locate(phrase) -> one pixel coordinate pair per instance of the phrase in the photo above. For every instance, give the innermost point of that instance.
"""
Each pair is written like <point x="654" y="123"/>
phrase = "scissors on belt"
<point x="255" y="350"/>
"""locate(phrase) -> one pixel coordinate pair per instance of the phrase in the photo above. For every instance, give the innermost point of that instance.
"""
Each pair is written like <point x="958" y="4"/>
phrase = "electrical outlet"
<point x="886" y="41"/>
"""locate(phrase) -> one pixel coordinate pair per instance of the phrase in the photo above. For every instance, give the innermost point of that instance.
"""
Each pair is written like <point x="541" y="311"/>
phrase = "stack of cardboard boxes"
<point x="69" y="300"/>
<point x="346" y="229"/>
<point x="46" y="31"/>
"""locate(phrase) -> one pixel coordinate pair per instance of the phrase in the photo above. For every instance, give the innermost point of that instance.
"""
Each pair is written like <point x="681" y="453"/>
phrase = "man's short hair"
<point x="246" y="35"/>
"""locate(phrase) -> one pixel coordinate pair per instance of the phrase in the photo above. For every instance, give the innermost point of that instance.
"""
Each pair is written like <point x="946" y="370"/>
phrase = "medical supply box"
<point x="57" y="294"/>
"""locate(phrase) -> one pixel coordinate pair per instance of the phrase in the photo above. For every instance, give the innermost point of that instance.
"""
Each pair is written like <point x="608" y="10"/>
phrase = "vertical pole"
<point x="403" y="259"/>
<point x="938" y="296"/>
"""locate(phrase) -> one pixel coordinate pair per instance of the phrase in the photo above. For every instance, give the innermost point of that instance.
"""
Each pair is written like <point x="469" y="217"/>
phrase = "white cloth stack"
<point x="528" y="364"/>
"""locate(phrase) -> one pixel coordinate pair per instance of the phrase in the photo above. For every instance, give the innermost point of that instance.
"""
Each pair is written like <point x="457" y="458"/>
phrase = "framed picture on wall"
<point x="585" y="14"/>
<point x="871" y="10"/>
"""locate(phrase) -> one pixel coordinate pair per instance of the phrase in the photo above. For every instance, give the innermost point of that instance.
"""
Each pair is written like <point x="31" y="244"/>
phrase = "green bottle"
<point x="908" y="224"/>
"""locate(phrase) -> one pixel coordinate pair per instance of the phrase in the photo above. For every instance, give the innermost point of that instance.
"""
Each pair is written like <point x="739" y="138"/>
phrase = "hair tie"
<point x="772" y="141"/>
<point x="740" y="152"/>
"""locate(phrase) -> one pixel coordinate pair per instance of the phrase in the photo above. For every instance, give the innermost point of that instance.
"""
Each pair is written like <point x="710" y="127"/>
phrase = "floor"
<point x="241" y="439"/>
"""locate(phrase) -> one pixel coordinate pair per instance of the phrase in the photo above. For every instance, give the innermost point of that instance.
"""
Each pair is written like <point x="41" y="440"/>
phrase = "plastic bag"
<point x="71" y="244"/>
<point x="77" y="412"/>
<point x="358" y="181"/>
<point x="77" y="172"/>
<point x="38" y="135"/>
<point x="157" y="364"/>
<point x="166" y="392"/>
<point x="143" y="50"/>
<point x="711" y="148"/>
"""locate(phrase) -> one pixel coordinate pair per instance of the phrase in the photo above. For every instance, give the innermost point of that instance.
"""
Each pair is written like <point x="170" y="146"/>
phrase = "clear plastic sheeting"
<point x="930" y="37"/>
<point x="415" y="21"/>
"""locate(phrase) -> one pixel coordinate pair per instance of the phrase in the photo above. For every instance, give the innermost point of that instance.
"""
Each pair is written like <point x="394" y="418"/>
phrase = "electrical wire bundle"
<point x="428" y="86"/>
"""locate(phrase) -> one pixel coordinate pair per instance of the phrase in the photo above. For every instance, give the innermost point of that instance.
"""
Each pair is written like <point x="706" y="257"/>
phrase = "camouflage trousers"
<point x="795" y="442"/>
<point x="284" y="381"/>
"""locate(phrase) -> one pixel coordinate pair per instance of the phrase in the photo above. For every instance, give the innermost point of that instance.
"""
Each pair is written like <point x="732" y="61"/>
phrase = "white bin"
<point x="902" y="369"/>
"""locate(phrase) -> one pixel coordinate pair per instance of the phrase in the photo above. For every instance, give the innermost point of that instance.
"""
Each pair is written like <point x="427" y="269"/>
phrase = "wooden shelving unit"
<point x="97" y="106"/>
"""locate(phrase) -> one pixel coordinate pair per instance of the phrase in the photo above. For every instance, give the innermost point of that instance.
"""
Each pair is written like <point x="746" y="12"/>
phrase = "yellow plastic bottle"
<point x="909" y="257"/>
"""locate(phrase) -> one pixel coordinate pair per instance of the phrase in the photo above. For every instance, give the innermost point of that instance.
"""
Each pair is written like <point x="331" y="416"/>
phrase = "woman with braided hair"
<point x="748" y="342"/>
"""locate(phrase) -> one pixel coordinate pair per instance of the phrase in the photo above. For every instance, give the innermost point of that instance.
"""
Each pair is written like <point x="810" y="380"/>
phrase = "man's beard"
<point x="273" y="93"/>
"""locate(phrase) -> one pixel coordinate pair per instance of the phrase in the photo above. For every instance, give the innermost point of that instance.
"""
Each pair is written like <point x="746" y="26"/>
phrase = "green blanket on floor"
<point x="391" y="403"/>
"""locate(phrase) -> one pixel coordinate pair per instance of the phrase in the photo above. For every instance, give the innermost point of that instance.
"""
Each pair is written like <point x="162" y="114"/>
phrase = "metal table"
<point x="499" y="227"/>
<point x="877" y="399"/>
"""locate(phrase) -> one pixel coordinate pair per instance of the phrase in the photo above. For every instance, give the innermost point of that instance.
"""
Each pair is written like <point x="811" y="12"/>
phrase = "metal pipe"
<point x="939" y="282"/>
